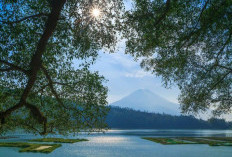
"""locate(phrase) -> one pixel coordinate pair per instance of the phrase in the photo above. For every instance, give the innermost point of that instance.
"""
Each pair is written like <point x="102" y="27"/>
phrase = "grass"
<point x="166" y="141"/>
<point x="58" y="140"/>
<point x="211" y="141"/>
<point x="226" y="139"/>
<point x="30" y="147"/>
<point x="207" y="140"/>
<point x="33" y="147"/>
<point x="198" y="140"/>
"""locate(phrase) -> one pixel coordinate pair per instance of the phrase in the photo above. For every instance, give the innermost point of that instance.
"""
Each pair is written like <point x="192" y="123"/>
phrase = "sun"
<point x="96" y="12"/>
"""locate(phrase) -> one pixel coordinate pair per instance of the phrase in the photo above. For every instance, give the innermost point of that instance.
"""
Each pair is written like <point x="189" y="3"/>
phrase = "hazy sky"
<point x="125" y="76"/>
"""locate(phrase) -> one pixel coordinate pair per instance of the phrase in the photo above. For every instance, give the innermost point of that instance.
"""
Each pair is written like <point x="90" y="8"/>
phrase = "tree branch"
<point x="224" y="45"/>
<point x="202" y="10"/>
<point x="225" y="67"/>
<point x="25" y="18"/>
<point x="6" y="113"/>
<point x="220" y="80"/>
<point x="163" y="16"/>
<point x="38" y="116"/>
<point x="36" y="60"/>
<point x="13" y="67"/>
<point x="50" y="84"/>
<point x="25" y="124"/>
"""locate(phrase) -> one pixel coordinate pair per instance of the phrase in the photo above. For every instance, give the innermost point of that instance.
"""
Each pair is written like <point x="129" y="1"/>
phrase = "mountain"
<point x="145" y="100"/>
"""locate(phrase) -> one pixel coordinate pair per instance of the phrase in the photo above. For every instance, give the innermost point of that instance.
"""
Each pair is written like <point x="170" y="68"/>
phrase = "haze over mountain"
<point x="145" y="100"/>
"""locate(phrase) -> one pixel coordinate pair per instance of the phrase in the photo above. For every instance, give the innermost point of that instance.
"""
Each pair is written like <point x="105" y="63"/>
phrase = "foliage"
<point x="187" y="43"/>
<point x="30" y="147"/>
<point x="226" y="139"/>
<point x="124" y="118"/>
<point x="190" y="140"/>
<point x="167" y="141"/>
<point x="58" y="140"/>
<point x="41" y="90"/>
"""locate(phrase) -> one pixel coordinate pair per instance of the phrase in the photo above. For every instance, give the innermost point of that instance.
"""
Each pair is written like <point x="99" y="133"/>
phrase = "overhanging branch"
<point x="219" y="81"/>
<point x="6" y="113"/>
<point x="38" y="115"/>
<point x="50" y="84"/>
<point x="225" y="67"/>
<point x="202" y="10"/>
<point x="36" y="60"/>
<point x="163" y="16"/>
<point x="13" y="67"/>
<point x="25" y="18"/>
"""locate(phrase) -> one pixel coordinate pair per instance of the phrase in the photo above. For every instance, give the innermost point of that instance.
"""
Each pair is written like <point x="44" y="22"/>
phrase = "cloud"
<point x="139" y="74"/>
<point x="123" y="60"/>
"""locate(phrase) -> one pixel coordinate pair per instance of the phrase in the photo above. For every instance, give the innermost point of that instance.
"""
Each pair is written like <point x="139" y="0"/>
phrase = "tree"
<point x="41" y="90"/>
<point x="187" y="43"/>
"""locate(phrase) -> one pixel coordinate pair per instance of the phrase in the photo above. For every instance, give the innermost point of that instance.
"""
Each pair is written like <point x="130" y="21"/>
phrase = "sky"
<point x="125" y="76"/>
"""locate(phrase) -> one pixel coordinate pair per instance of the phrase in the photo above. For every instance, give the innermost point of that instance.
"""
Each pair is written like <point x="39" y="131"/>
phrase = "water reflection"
<point x="108" y="139"/>
<point x="127" y="143"/>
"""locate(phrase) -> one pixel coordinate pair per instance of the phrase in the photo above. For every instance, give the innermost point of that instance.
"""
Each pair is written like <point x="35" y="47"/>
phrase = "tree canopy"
<point x="41" y="89"/>
<point x="187" y="43"/>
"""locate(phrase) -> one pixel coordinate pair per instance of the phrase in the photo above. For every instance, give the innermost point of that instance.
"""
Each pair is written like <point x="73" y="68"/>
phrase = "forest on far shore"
<point x="126" y="118"/>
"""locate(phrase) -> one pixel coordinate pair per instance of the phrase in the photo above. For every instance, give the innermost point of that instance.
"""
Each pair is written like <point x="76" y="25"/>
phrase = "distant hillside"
<point x="145" y="100"/>
<point x="124" y="118"/>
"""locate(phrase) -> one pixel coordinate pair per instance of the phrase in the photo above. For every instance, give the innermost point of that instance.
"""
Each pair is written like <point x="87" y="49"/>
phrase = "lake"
<point x="127" y="143"/>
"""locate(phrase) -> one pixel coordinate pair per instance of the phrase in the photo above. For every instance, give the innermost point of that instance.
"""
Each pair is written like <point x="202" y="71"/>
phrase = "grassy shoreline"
<point x="58" y="140"/>
<point x="30" y="147"/>
<point x="40" y="147"/>
<point x="211" y="141"/>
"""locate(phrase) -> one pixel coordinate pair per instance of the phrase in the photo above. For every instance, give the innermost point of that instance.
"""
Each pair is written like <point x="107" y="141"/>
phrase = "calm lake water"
<point x="128" y="143"/>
